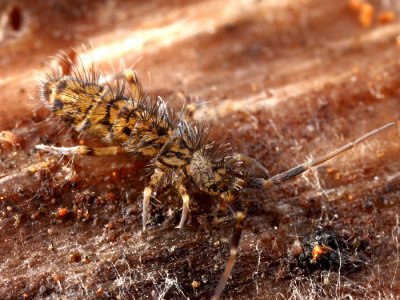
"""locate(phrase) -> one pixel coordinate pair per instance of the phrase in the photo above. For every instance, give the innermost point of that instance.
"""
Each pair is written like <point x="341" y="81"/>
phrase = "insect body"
<point x="176" y="146"/>
<point x="126" y="117"/>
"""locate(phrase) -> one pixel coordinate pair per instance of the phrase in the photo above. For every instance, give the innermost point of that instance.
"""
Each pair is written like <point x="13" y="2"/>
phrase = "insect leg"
<point x="185" y="207"/>
<point x="237" y="233"/>
<point x="148" y="190"/>
<point x="279" y="178"/>
<point x="82" y="150"/>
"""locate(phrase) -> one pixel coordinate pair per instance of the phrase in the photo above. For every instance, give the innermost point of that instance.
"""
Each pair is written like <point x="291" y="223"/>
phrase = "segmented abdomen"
<point x="138" y="125"/>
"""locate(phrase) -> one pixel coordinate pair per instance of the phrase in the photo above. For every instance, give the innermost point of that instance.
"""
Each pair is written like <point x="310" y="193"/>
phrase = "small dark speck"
<point x="15" y="18"/>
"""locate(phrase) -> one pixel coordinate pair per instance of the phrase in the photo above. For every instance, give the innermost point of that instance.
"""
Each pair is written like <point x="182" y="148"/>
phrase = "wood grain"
<point x="281" y="81"/>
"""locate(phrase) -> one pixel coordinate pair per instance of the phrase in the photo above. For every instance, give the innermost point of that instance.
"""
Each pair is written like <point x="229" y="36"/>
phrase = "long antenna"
<point x="261" y="183"/>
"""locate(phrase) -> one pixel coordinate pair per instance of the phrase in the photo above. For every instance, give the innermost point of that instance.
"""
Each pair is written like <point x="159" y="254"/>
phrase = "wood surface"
<point x="281" y="81"/>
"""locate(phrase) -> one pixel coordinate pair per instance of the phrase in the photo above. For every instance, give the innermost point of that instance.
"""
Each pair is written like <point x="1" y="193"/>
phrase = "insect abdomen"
<point x="67" y="100"/>
<point x="135" y="124"/>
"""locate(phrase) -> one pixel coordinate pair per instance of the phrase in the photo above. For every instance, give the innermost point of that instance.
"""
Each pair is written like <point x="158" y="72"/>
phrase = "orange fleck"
<point x="62" y="212"/>
<point x="99" y="292"/>
<point x="350" y="197"/>
<point x="330" y="170"/>
<point x="366" y="15"/>
<point x="195" y="284"/>
<point x="355" y="70"/>
<point x="318" y="251"/>
<point x="386" y="17"/>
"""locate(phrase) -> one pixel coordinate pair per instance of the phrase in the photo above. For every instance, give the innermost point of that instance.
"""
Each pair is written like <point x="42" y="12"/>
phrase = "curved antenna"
<point x="252" y="161"/>
<point x="261" y="183"/>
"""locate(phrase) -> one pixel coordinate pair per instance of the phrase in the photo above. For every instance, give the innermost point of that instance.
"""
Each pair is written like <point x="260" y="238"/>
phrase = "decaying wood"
<point x="281" y="81"/>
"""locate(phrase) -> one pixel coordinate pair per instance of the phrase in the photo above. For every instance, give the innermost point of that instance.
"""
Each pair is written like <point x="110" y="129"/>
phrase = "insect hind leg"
<point x="81" y="150"/>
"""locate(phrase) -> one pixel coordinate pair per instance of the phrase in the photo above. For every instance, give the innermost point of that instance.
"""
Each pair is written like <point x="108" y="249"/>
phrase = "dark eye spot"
<point x="214" y="187"/>
<point x="127" y="131"/>
<point x="15" y="18"/>
<point x="58" y="104"/>
<point x="161" y="131"/>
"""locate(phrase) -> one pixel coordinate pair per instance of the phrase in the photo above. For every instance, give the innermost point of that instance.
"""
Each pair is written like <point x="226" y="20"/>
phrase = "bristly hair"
<point x="158" y="111"/>
<point x="149" y="111"/>
<point x="222" y="156"/>
<point x="194" y="135"/>
<point x="52" y="74"/>
<point x="71" y="66"/>
<point x="80" y="74"/>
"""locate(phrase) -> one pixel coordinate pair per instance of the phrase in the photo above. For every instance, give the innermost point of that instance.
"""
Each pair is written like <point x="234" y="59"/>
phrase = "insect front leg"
<point x="148" y="190"/>
<point x="81" y="150"/>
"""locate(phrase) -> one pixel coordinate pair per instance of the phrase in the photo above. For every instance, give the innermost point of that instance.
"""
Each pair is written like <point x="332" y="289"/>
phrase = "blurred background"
<point x="281" y="81"/>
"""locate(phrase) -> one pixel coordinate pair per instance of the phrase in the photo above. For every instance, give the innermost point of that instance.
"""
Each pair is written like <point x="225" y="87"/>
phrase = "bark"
<point x="281" y="81"/>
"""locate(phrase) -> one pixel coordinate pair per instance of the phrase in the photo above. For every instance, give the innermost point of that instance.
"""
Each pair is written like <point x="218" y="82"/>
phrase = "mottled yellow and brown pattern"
<point x="121" y="114"/>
